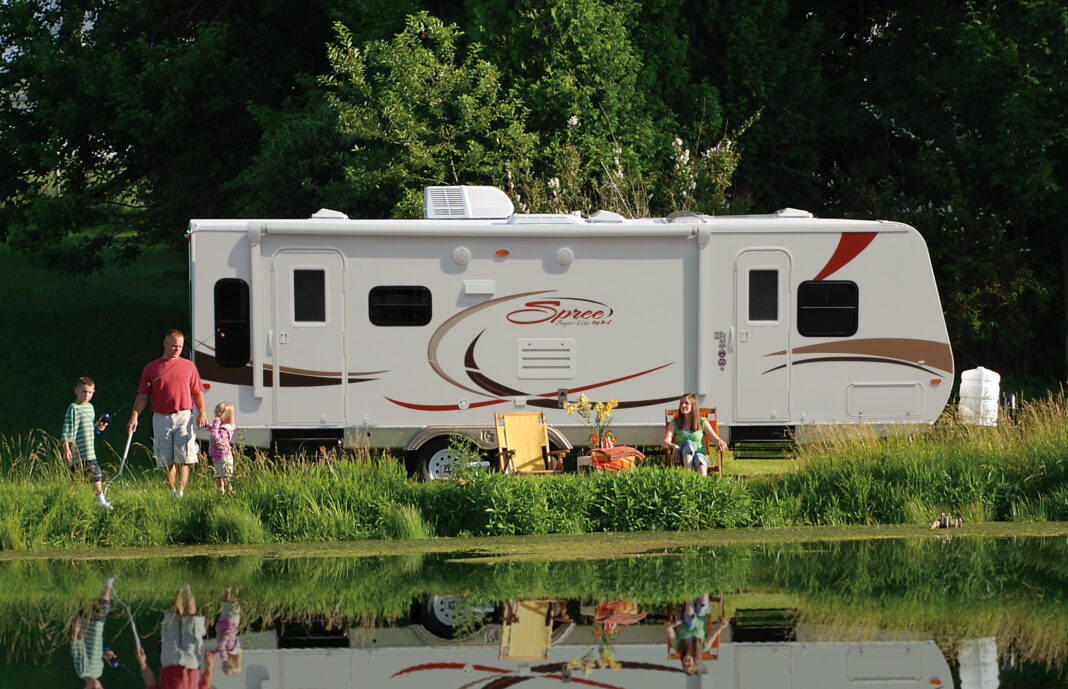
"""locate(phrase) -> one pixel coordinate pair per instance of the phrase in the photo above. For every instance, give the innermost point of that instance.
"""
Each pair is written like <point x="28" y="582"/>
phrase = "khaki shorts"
<point x="174" y="438"/>
<point x="182" y="640"/>
<point x="224" y="468"/>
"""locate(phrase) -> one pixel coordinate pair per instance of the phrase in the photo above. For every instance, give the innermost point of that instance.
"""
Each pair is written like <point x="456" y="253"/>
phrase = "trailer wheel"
<point x="444" y="616"/>
<point x="436" y="459"/>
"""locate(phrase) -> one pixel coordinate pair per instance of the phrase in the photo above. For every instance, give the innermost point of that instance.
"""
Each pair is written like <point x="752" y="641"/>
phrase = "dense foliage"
<point x="121" y="120"/>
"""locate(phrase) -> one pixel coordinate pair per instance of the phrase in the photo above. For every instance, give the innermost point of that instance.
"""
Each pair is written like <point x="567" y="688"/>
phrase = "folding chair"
<point x="526" y="630"/>
<point x="710" y="650"/>
<point x="708" y="414"/>
<point x="523" y="444"/>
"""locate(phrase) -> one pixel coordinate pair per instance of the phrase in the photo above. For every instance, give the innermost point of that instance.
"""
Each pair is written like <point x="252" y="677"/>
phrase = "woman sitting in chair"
<point x="684" y="436"/>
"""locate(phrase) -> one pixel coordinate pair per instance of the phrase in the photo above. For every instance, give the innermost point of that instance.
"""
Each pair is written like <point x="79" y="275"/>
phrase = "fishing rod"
<point x="122" y="465"/>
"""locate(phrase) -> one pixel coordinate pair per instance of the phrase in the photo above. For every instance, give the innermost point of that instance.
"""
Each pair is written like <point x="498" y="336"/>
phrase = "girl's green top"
<point x="680" y="436"/>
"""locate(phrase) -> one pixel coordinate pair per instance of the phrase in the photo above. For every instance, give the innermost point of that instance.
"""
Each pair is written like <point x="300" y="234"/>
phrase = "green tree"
<point x="952" y="117"/>
<point x="416" y="114"/>
<point x="124" y="119"/>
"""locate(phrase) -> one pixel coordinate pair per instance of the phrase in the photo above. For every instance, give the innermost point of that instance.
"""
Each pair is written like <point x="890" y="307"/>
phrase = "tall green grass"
<point x="1015" y="472"/>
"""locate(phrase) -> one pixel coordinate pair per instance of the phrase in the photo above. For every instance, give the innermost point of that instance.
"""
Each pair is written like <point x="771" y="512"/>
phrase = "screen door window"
<point x="309" y="295"/>
<point x="763" y="295"/>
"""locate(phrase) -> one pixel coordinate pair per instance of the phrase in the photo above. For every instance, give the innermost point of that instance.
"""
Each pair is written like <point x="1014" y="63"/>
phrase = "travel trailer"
<point x="398" y="333"/>
<point x="408" y="657"/>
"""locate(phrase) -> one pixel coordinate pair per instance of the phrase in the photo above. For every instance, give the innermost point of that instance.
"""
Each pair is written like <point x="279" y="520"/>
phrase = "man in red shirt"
<point x="176" y="676"/>
<point x="181" y="647"/>
<point x="175" y="387"/>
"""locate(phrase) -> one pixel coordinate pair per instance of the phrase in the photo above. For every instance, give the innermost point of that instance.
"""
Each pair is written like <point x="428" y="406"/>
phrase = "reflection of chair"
<point x="523" y="444"/>
<point x="526" y="630"/>
<point x="704" y="413"/>
<point x="713" y="633"/>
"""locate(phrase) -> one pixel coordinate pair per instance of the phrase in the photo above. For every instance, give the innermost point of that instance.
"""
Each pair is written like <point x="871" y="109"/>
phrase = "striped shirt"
<point x="78" y="429"/>
<point x="89" y="652"/>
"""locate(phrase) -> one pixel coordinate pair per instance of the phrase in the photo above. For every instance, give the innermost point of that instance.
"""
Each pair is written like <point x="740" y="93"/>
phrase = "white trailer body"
<point x="393" y="333"/>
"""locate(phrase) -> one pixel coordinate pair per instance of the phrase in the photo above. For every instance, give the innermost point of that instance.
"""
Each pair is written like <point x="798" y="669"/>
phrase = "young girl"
<point x="229" y="651"/>
<point x="222" y="431"/>
<point x="684" y="436"/>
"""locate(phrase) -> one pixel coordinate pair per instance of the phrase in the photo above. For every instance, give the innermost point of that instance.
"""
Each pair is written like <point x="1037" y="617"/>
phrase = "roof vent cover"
<point x="466" y="203"/>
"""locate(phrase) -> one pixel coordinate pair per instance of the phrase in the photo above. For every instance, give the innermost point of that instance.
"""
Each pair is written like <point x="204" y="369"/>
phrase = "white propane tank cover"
<point x="978" y="660"/>
<point x="978" y="404"/>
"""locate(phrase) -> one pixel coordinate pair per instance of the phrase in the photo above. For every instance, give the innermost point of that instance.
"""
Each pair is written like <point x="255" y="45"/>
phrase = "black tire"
<point x="435" y="459"/>
<point x="440" y="615"/>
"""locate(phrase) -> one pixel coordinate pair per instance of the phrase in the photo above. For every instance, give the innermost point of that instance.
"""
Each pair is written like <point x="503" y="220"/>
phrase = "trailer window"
<point x="309" y="295"/>
<point x="763" y="295"/>
<point x="399" y="305"/>
<point x="232" y="333"/>
<point x="828" y="308"/>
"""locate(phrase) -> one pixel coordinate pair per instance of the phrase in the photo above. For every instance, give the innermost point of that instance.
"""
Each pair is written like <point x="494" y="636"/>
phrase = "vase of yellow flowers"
<point x="597" y="417"/>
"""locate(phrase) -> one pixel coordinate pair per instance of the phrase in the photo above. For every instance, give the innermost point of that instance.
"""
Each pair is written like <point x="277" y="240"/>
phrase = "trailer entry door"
<point x="762" y="315"/>
<point x="308" y="339"/>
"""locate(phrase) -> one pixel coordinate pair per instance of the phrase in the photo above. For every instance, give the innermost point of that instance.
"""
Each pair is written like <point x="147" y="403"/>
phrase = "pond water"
<point x="907" y="612"/>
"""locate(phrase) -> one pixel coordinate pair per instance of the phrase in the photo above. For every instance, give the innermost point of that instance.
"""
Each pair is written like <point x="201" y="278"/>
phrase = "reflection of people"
<point x="78" y="440"/>
<point x="174" y="385"/>
<point x="684" y="436"/>
<point x="689" y="633"/>
<point x="222" y="456"/>
<point x="182" y="645"/>
<point x="229" y="645"/>
<point x="88" y="650"/>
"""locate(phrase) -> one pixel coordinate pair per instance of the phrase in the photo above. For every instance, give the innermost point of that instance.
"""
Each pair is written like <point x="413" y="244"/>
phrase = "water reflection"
<point x="968" y="613"/>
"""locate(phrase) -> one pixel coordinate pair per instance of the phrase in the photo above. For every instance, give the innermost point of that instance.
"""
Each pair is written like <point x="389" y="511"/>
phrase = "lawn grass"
<point x="106" y="326"/>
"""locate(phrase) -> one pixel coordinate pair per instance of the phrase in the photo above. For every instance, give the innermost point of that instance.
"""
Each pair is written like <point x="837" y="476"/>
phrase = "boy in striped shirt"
<point x="78" y="439"/>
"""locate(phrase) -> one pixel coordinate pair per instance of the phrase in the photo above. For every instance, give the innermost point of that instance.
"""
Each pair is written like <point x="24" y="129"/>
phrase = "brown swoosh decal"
<point x="444" y="328"/>
<point x="870" y="359"/>
<point x="633" y="404"/>
<point x="935" y="354"/>
<point x="211" y="371"/>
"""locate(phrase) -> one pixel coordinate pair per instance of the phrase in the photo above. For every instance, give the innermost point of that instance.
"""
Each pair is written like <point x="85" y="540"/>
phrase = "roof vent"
<point x="792" y="213"/>
<point x="327" y="214"/>
<point x="606" y="216"/>
<point x="466" y="203"/>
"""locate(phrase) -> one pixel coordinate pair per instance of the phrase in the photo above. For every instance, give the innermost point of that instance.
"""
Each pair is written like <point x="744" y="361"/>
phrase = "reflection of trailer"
<point x="392" y="333"/>
<point x="400" y="658"/>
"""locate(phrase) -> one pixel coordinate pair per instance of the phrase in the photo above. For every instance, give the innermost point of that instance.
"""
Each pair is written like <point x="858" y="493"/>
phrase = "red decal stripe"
<point x="851" y="244"/>
<point x="441" y="407"/>
<point x="602" y="384"/>
<point x="446" y="666"/>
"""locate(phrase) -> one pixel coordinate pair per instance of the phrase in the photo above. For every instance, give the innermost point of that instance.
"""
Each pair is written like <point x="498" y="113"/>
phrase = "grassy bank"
<point x="106" y="326"/>
<point x="1016" y="472"/>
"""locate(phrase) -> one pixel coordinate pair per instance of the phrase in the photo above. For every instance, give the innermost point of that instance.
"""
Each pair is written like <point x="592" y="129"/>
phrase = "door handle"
<point x="730" y="340"/>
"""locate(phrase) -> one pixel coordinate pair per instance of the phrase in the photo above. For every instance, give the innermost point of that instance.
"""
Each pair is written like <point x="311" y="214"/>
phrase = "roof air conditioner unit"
<point x="466" y="203"/>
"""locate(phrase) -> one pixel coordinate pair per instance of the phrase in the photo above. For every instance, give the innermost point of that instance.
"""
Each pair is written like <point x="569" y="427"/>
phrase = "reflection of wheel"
<point x="441" y="615"/>
<point x="436" y="458"/>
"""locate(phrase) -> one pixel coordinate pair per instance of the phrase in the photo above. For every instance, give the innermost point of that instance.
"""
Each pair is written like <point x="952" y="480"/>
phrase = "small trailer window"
<point x="399" y="305"/>
<point x="309" y="295"/>
<point x="763" y="295"/>
<point x="827" y="308"/>
<point x="232" y="335"/>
